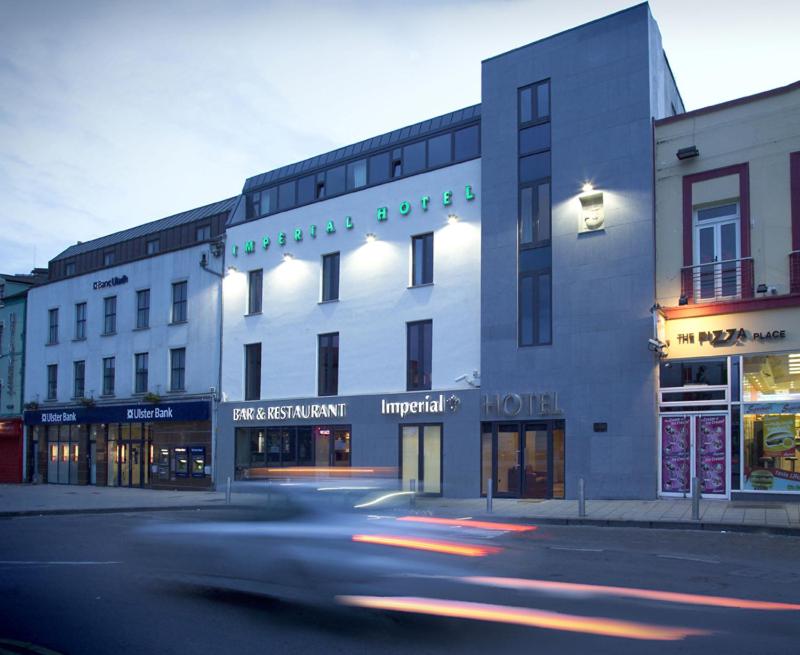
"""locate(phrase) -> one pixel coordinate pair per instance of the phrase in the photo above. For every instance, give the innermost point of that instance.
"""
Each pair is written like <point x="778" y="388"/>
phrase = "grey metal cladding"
<point x="364" y="147"/>
<point x="150" y="228"/>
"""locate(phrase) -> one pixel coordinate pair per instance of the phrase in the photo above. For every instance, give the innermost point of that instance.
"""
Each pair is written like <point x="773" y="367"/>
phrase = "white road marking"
<point x="705" y="560"/>
<point x="40" y="563"/>
<point x="581" y="550"/>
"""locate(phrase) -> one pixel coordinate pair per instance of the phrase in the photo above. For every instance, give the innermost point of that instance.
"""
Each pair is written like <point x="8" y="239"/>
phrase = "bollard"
<point x="695" y="499"/>
<point x="228" y="491"/>
<point x="412" y="498"/>
<point x="489" y="495"/>
<point x="582" y="498"/>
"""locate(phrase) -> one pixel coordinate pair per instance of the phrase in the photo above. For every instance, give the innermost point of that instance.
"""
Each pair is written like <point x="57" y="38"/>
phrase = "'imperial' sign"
<point x="427" y="405"/>
<point x="290" y="412"/>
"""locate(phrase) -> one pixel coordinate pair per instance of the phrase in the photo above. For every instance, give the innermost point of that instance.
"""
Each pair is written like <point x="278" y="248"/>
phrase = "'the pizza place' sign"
<point x="728" y="337"/>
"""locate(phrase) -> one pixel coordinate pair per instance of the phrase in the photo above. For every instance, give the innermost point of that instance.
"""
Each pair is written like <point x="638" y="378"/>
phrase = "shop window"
<point x="771" y="444"/>
<point x="771" y="377"/>
<point x="422" y="259"/>
<point x="181" y="462"/>
<point x="421" y="458"/>
<point x="712" y="372"/>
<point x="255" y="291"/>
<point x="110" y="315"/>
<point x="142" y="309"/>
<point x="330" y="277"/>
<point x="419" y="355"/>
<point x="179" y="302"/>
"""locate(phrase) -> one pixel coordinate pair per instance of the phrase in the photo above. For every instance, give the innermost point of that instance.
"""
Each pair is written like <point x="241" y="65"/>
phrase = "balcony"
<point x="794" y="272"/>
<point x="718" y="282"/>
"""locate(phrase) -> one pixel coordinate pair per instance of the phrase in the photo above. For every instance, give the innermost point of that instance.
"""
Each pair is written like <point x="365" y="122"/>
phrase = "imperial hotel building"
<point x="467" y="299"/>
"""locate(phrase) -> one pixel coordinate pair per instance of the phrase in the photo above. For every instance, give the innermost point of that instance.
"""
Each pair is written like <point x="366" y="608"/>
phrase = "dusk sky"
<point x="118" y="113"/>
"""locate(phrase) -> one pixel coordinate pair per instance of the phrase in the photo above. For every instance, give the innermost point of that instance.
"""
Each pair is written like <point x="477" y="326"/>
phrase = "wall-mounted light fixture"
<point x="587" y="187"/>
<point x="687" y="153"/>
<point x="592" y="216"/>
<point x="683" y="300"/>
<point x="452" y="219"/>
<point x="287" y="256"/>
<point x="371" y="237"/>
<point x="761" y="288"/>
<point x="232" y="268"/>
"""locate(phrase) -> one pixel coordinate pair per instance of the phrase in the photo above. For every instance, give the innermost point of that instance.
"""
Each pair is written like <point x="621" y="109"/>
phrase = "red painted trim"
<point x="729" y="103"/>
<point x="794" y="186"/>
<point x="735" y="307"/>
<point x="743" y="171"/>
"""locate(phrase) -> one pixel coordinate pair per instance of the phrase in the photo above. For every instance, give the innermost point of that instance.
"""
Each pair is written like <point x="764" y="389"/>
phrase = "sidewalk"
<point x="748" y="516"/>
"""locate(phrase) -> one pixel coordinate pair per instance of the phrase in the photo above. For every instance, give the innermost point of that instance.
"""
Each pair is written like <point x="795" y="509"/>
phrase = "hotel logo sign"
<point x="290" y="412"/>
<point x="427" y="405"/>
<point x="527" y="404"/>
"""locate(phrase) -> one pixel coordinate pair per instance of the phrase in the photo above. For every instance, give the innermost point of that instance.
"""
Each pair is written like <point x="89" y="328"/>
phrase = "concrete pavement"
<point x="777" y="517"/>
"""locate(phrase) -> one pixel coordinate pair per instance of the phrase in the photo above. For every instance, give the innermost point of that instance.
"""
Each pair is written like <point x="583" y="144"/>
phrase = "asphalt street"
<point x="80" y="584"/>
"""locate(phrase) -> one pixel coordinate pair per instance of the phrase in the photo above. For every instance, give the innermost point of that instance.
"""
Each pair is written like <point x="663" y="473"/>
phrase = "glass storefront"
<point x="421" y="458"/>
<point x="263" y="448"/>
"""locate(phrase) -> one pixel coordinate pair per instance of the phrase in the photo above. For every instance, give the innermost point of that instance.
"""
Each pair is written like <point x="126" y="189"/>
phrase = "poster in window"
<point x="711" y="465"/>
<point x="778" y="435"/>
<point x="675" y="456"/>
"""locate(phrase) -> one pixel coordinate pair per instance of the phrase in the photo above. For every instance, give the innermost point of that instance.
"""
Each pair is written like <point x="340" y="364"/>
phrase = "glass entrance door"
<point x="508" y="461"/>
<point x="421" y="458"/>
<point x="535" y="463"/>
<point x="699" y="443"/>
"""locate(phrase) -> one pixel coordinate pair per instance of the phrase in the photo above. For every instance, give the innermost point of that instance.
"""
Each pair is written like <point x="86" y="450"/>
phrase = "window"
<point x="534" y="167"/>
<point x="418" y="360"/>
<point x="328" y="363"/>
<point x="534" y="102"/>
<point x="379" y="168"/>
<point x="52" y="381"/>
<point x="252" y="371"/>
<point x="177" y="377"/>
<point x="110" y="315"/>
<point x="467" y="143"/>
<point x="202" y="233"/>
<point x="330" y="277"/>
<point x="534" y="214"/>
<point x="534" y="308"/>
<point x="261" y="203"/>
<point x="109" y="368"/>
<point x="286" y="195"/>
<point x="179" y="294"/>
<point x="254" y="291"/>
<point x="422" y="259"/>
<point x="153" y="246"/>
<point x="80" y="321"/>
<point x="335" y="181"/>
<point x="79" y="379"/>
<point x="414" y="158"/>
<point x="319" y="188"/>
<point x="534" y="139"/>
<point x="357" y="174"/>
<point x="142" y="309"/>
<point x="717" y="272"/>
<point x="421" y="458"/>
<point x="52" y="334"/>
<point x="2" y="325"/>
<point x="109" y="258"/>
<point x="69" y="268"/>
<point x="141" y="361"/>
<point x="397" y="164"/>
<point x="306" y="189"/>
<point x="439" y="150"/>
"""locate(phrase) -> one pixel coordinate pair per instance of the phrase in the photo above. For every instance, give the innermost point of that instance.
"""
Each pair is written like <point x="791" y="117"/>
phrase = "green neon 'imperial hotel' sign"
<point x="381" y="214"/>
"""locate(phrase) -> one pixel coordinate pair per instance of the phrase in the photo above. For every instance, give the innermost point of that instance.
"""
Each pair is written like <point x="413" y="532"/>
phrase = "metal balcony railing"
<point x="794" y="271"/>
<point x="730" y="279"/>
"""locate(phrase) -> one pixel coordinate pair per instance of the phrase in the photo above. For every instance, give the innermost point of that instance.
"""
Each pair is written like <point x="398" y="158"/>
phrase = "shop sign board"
<point x="728" y="336"/>
<point x="516" y="404"/>
<point x="426" y="405"/>
<point x="290" y="412"/>
<point x="186" y="411"/>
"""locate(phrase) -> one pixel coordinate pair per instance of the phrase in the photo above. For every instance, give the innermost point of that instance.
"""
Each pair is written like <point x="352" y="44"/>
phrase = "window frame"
<point x="182" y="302"/>
<point x="328" y="364"/>
<point x="420" y="426"/>
<point x="425" y="354"/>
<point x="250" y="376"/>
<point x="152" y="242"/>
<point x="535" y="275"/>
<point x="52" y="382"/>
<point x="109" y="375"/>
<point x="109" y="317"/>
<point x="333" y="283"/>
<point x="427" y="262"/>
<point x="140" y="373"/>
<point x="179" y="385"/>
<point x="80" y="322"/>
<point x="255" y="301"/>
<point x="82" y="378"/>
<point x="142" y="311"/>
<point x="52" y="326"/>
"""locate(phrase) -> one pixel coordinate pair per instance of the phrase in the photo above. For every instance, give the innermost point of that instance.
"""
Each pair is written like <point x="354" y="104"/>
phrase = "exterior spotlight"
<point x="232" y="268"/>
<point x="452" y="219"/>
<point x="287" y="256"/>
<point x="761" y="288"/>
<point x="683" y="300"/>
<point x="371" y="237"/>
<point x="587" y="187"/>
<point x="687" y="153"/>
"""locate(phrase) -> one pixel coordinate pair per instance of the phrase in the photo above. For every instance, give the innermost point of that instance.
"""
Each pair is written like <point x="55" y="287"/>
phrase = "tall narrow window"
<point x="142" y="309"/>
<point x="52" y="334"/>
<point x="717" y="273"/>
<point x="421" y="458"/>
<point x="52" y="381"/>
<point x="330" y="277"/>
<point x="254" y="291"/>
<point x="110" y="315"/>
<point x="177" y="377"/>
<point x="328" y="363"/>
<point x="79" y="379"/>
<point x="109" y="373"/>
<point x="357" y="174"/>
<point x="534" y="214"/>
<point x="535" y="309"/>
<point x="422" y="259"/>
<point x="252" y="371"/>
<point x="179" y="295"/>
<point x="141" y="365"/>
<point x="80" y="321"/>
<point x="418" y="359"/>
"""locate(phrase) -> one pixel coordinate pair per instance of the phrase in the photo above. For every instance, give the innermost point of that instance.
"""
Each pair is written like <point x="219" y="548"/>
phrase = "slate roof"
<point x="150" y="228"/>
<point x="363" y="147"/>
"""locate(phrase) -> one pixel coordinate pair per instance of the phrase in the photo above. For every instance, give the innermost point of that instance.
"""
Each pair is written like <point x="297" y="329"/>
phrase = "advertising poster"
<point x="778" y="435"/>
<point x="675" y="457"/>
<point x="711" y="437"/>
<point x="772" y="480"/>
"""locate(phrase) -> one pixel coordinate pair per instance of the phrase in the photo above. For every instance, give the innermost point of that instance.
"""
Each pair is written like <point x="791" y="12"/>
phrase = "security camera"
<point x="461" y="378"/>
<point x="655" y="344"/>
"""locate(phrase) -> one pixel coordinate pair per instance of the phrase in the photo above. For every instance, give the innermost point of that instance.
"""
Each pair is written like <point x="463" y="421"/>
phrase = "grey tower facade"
<point x="567" y="268"/>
